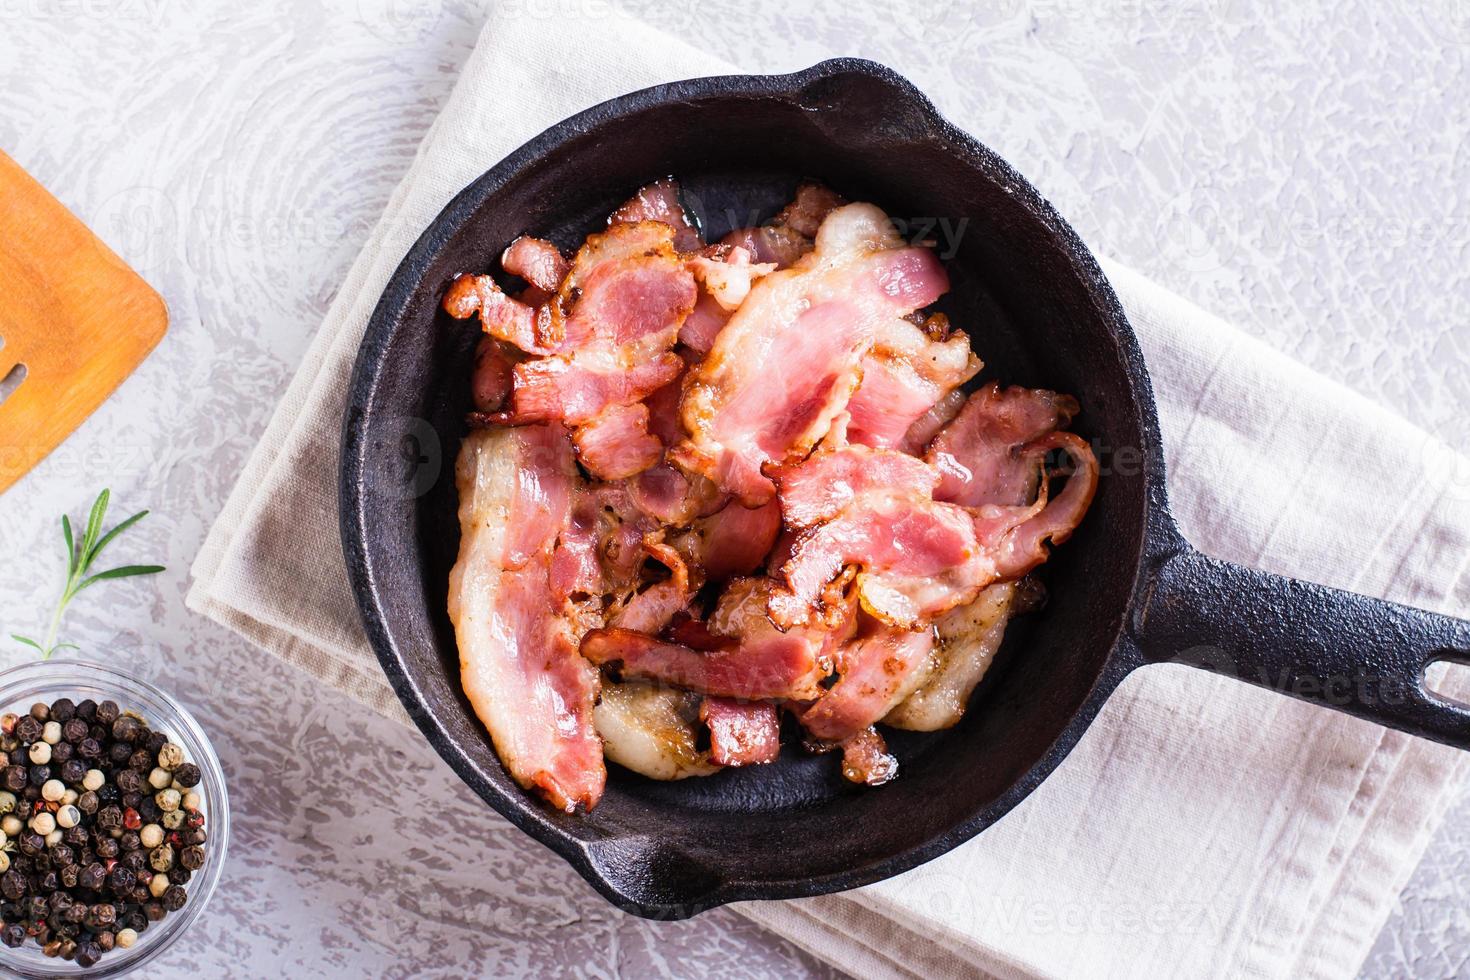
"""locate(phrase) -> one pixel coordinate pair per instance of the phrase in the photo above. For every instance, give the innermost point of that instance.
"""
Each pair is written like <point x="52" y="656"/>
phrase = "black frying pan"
<point x="1126" y="591"/>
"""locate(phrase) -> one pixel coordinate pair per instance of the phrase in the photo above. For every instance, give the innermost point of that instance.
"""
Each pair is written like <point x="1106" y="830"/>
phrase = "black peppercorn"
<point x="122" y="878"/>
<point x="141" y="762"/>
<point x="136" y="861"/>
<point x="18" y="757"/>
<point x="154" y="911"/>
<point x="15" y="778"/>
<point x="86" y="709"/>
<point x="74" y="731"/>
<point x="62" y="855"/>
<point x="62" y="752"/>
<point x="156" y="741"/>
<point x="48" y="882"/>
<point x="149" y="811"/>
<point x="88" y="802"/>
<point x="63" y="710"/>
<point x="75" y="836"/>
<point x="118" y="752"/>
<point x="174" y="898"/>
<point x="130" y="801"/>
<point x="28" y="729"/>
<point x="38" y="775"/>
<point x="88" y="953"/>
<point x="107" y="712"/>
<point x="13" y="935"/>
<point x="92" y="876"/>
<point x="89" y="748"/>
<point x="13" y="884"/>
<point x="129" y="781"/>
<point x="72" y="770"/>
<point x="107" y="848"/>
<point x="77" y="912"/>
<point x="187" y="775"/>
<point x="70" y="875"/>
<point x="125" y="728"/>
<point x="129" y="841"/>
<point x="108" y="793"/>
<point x="41" y="711"/>
<point x="31" y="843"/>
<point x="103" y="915"/>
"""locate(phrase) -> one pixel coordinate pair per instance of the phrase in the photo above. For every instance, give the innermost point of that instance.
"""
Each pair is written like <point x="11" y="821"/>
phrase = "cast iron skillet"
<point x="1126" y="591"/>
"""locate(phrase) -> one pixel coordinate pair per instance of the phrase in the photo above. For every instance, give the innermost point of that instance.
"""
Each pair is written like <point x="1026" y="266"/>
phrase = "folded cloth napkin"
<point x="1202" y="827"/>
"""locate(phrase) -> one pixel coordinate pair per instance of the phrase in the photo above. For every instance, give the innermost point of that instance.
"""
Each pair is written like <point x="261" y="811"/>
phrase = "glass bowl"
<point x="22" y="686"/>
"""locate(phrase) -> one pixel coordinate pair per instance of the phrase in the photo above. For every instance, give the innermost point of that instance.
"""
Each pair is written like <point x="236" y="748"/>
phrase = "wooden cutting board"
<point x="74" y="322"/>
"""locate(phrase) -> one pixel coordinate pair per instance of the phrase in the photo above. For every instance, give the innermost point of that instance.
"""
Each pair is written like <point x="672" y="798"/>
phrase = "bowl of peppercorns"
<point x="113" y="820"/>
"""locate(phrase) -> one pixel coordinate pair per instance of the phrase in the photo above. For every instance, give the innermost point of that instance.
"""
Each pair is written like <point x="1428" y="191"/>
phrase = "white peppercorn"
<point x="93" y="780"/>
<point x="170" y="757"/>
<point x="168" y="799"/>
<point x="173" y="819"/>
<point x="70" y="796"/>
<point x="40" y="753"/>
<point x="126" y="938"/>
<point x="51" y="732"/>
<point x="4" y="862"/>
<point x="151" y="836"/>
<point x="43" y="823"/>
<point x="161" y="858"/>
<point x="68" y="816"/>
<point x="192" y="801"/>
<point x="7" y="801"/>
<point x="11" y="826"/>
<point x="158" y="885"/>
<point x="52" y="790"/>
<point x="159" y="778"/>
<point x="53" y="838"/>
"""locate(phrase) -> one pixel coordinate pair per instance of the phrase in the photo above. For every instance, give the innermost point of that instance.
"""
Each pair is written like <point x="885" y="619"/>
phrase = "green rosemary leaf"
<point x="94" y="526"/>
<point x="106" y="538"/>
<point x="125" y="571"/>
<point x="71" y="548"/>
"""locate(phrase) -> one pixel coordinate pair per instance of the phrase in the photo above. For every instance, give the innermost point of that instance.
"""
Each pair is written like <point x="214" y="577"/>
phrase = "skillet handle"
<point x="1345" y="651"/>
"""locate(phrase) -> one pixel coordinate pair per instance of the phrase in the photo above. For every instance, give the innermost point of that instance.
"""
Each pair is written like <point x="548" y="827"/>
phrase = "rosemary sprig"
<point x="79" y="558"/>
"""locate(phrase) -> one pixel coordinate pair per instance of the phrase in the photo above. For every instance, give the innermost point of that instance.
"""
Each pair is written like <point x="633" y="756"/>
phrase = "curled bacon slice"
<point x="615" y="443"/>
<point x="741" y="733"/>
<point x="537" y="261"/>
<point x="988" y="454"/>
<point x="518" y="652"/>
<point x="876" y="671"/>
<point x="739" y="653"/>
<point x="659" y="201"/>
<point x="788" y="236"/>
<point x="787" y="362"/>
<point x="907" y="373"/>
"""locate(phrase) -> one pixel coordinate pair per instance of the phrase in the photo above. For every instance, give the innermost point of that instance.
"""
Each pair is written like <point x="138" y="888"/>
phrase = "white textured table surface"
<point x="1303" y="173"/>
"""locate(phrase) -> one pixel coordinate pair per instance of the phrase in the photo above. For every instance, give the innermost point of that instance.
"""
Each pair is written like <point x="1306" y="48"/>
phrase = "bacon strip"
<point x="987" y="455"/>
<point x="659" y="201"/>
<point x="786" y="364"/>
<point x="773" y="670"/>
<point x="535" y="260"/>
<point x="877" y="671"/>
<point x="917" y="557"/>
<point x="907" y="373"/>
<point x="518" y="654"/>
<point x="741" y="733"/>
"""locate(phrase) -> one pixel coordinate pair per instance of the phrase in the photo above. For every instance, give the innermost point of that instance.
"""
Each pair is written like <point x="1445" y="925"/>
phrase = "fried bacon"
<point x="908" y="372"/>
<point x="741" y="733"/>
<point x="659" y="201"/>
<point x="518" y="647"/>
<point x="787" y="362"/>
<point x="793" y="503"/>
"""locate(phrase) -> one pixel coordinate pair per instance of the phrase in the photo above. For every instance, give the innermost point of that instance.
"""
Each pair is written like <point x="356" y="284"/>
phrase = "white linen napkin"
<point x="1201" y="827"/>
